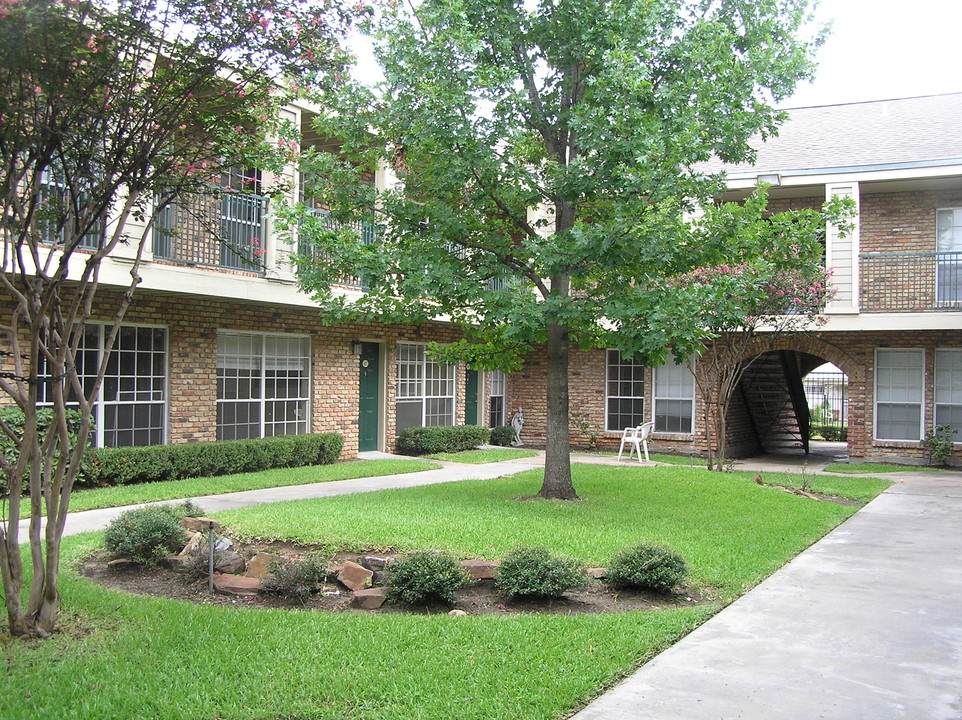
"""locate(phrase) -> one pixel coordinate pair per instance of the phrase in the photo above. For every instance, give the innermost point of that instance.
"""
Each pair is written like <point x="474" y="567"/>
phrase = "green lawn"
<point x="861" y="489"/>
<point x="141" y="657"/>
<point x="475" y="457"/>
<point x="198" y="487"/>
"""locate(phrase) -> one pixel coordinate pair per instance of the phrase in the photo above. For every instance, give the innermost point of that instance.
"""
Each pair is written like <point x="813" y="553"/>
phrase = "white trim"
<point x="423" y="396"/>
<point x="845" y="249"/>
<point x="655" y="398"/>
<point x="609" y="398"/>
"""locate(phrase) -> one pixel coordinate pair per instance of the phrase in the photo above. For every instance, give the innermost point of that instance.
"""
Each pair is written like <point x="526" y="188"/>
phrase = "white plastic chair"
<point x="638" y="438"/>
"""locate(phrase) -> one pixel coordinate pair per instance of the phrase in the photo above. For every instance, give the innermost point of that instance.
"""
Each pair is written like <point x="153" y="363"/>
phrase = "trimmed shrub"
<point x="439" y="439"/>
<point x="154" y="463"/>
<point x="423" y="576"/>
<point x="502" y="435"/>
<point x="832" y="433"/>
<point x="535" y="572"/>
<point x="146" y="534"/>
<point x="647" y="567"/>
<point x="297" y="579"/>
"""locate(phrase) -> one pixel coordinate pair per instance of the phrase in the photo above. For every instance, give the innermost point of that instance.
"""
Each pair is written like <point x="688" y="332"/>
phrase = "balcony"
<point x="221" y="230"/>
<point x="910" y="282"/>
<point x="368" y="236"/>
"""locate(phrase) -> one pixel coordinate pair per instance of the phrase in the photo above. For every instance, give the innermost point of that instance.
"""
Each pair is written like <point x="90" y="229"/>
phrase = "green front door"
<point x="471" y="398"/>
<point x="369" y="395"/>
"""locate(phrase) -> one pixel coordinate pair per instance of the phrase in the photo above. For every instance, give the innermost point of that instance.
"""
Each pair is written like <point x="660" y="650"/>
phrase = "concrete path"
<point x="89" y="520"/>
<point x="865" y="624"/>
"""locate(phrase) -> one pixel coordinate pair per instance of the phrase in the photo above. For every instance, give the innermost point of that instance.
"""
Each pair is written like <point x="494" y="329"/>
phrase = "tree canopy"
<point x="549" y="158"/>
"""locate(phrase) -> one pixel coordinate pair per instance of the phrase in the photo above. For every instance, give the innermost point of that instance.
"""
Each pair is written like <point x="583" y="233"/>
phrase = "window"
<point x="674" y="399"/>
<point x="949" y="256"/>
<point x="425" y="389"/>
<point x="55" y="211"/>
<point x="131" y="405"/>
<point x="625" y="393"/>
<point x="948" y="388"/>
<point x="899" y="375"/>
<point x="263" y="385"/>
<point x="496" y="383"/>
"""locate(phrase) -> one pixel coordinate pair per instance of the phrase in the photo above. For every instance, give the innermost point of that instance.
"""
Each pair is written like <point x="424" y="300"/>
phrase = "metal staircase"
<point x="774" y="394"/>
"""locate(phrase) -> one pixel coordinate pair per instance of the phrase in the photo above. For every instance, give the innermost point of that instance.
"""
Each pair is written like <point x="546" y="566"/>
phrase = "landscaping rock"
<point x="223" y="543"/>
<point x="259" y="565"/>
<point x="194" y="545"/>
<point x="481" y="569"/>
<point x="229" y="562"/>
<point x="370" y="599"/>
<point x="375" y="563"/>
<point x="598" y="573"/>
<point x="176" y="562"/>
<point x="200" y="524"/>
<point x="237" y="584"/>
<point x="457" y="613"/>
<point x="354" y="577"/>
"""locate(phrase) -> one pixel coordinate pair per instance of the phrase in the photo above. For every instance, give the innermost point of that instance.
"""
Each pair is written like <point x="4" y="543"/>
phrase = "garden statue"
<point x="517" y="422"/>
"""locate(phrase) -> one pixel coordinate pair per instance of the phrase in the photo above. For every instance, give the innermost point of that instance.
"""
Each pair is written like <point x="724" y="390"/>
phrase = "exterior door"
<point x="471" y="398"/>
<point x="368" y="426"/>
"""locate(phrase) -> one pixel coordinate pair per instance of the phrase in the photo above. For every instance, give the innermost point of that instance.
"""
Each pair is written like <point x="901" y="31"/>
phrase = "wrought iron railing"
<point x="224" y="230"/>
<point x="899" y="282"/>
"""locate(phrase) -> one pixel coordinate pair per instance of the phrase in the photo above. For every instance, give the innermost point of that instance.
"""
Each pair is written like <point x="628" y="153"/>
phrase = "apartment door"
<point x="368" y="422"/>
<point x="471" y="398"/>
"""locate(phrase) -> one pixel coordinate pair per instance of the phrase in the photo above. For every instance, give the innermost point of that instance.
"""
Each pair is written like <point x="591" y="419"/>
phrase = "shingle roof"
<point x="882" y="132"/>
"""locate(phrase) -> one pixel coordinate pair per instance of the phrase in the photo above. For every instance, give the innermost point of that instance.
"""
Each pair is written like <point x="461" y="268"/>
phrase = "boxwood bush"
<point x="430" y="440"/>
<point x="424" y="576"/>
<point x="132" y="465"/>
<point x="535" y="572"/>
<point x="13" y="417"/>
<point x="502" y="435"/>
<point x="647" y="567"/>
<point x="146" y="534"/>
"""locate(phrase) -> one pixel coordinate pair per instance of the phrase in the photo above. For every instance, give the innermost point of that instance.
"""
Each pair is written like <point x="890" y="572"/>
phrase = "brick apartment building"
<point x="219" y="343"/>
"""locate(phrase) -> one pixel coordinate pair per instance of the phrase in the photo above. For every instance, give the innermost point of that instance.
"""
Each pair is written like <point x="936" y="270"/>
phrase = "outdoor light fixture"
<point x="356" y="347"/>
<point x="773" y="179"/>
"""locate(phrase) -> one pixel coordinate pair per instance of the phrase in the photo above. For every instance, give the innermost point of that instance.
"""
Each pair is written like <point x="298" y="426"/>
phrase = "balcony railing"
<point x="367" y="231"/>
<point x="224" y="230"/>
<point x="901" y="282"/>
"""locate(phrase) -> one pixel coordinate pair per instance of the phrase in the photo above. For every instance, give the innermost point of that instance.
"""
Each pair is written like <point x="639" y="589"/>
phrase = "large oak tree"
<point x="547" y="155"/>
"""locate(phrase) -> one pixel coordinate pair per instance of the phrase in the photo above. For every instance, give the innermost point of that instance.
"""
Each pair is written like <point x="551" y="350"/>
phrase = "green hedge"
<point x="132" y="465"/>
<point x="502" y="436"/>
<point x="13" y="417"/>
<point x="430" y="440"/>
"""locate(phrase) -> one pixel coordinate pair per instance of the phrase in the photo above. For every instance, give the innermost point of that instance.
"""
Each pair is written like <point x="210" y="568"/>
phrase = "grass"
<point x="732" y="531"/>
<point x="860" y="489"/>
<point x="145" y="657"/>
<point x="483" y="456"/>
<point x="198" y="487"/>
<point x="865" y="468"/>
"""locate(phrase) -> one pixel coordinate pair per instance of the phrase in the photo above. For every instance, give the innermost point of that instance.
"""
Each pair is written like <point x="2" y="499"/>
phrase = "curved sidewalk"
<point x="865" y="624"/>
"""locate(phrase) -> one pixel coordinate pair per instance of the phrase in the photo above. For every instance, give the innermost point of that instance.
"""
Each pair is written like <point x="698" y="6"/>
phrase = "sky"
<point x="878" y="49"/>
<point x="882" y="49"/>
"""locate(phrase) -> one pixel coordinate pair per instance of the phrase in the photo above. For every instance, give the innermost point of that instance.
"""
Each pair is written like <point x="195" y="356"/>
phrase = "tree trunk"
<point x="557" y="465"/>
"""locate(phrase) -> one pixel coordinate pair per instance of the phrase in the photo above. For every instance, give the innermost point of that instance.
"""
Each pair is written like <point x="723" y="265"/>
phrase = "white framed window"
<point x="948" y="387"/>
<point x="674" y="399"/>
<point x="496" y="386"/>
<point x="949" y="255"/>
<point x="624" y="392"/>
<point x="263" y="385"/>
<point x="131" y="404"/>
<point x="425" y="389"/>
<point x="899" y="392"/>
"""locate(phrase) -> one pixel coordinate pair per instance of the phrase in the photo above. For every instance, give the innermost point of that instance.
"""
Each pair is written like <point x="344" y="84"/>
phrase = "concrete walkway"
<point x="865" y="624"/>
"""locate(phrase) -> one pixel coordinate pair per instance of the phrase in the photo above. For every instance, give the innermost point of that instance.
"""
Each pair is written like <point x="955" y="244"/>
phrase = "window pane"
<point x="899" y="377"/>
<point x="625" y="399"/>
<point x="898" y="421"/>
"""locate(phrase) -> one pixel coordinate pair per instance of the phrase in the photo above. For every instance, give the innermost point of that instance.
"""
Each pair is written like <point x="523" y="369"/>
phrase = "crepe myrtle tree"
<point x="546" y="155"/>
<point x="109" y="111"/>
<point x="768" y="282"/>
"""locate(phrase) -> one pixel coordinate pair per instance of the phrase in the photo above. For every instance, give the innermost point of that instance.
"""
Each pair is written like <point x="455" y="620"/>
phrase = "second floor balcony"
<point x="221" y="230"/>
<point x="910" y="282"/>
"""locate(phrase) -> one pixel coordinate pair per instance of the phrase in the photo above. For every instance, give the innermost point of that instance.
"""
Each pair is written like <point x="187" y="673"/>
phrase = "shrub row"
<point x="832" y="433"/>
<point x="431" y="440"/>
<point x="153" y="463"/>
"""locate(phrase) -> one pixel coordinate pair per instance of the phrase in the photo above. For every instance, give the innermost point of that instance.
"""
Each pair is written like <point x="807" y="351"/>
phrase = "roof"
<point x="905" y="131"/>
